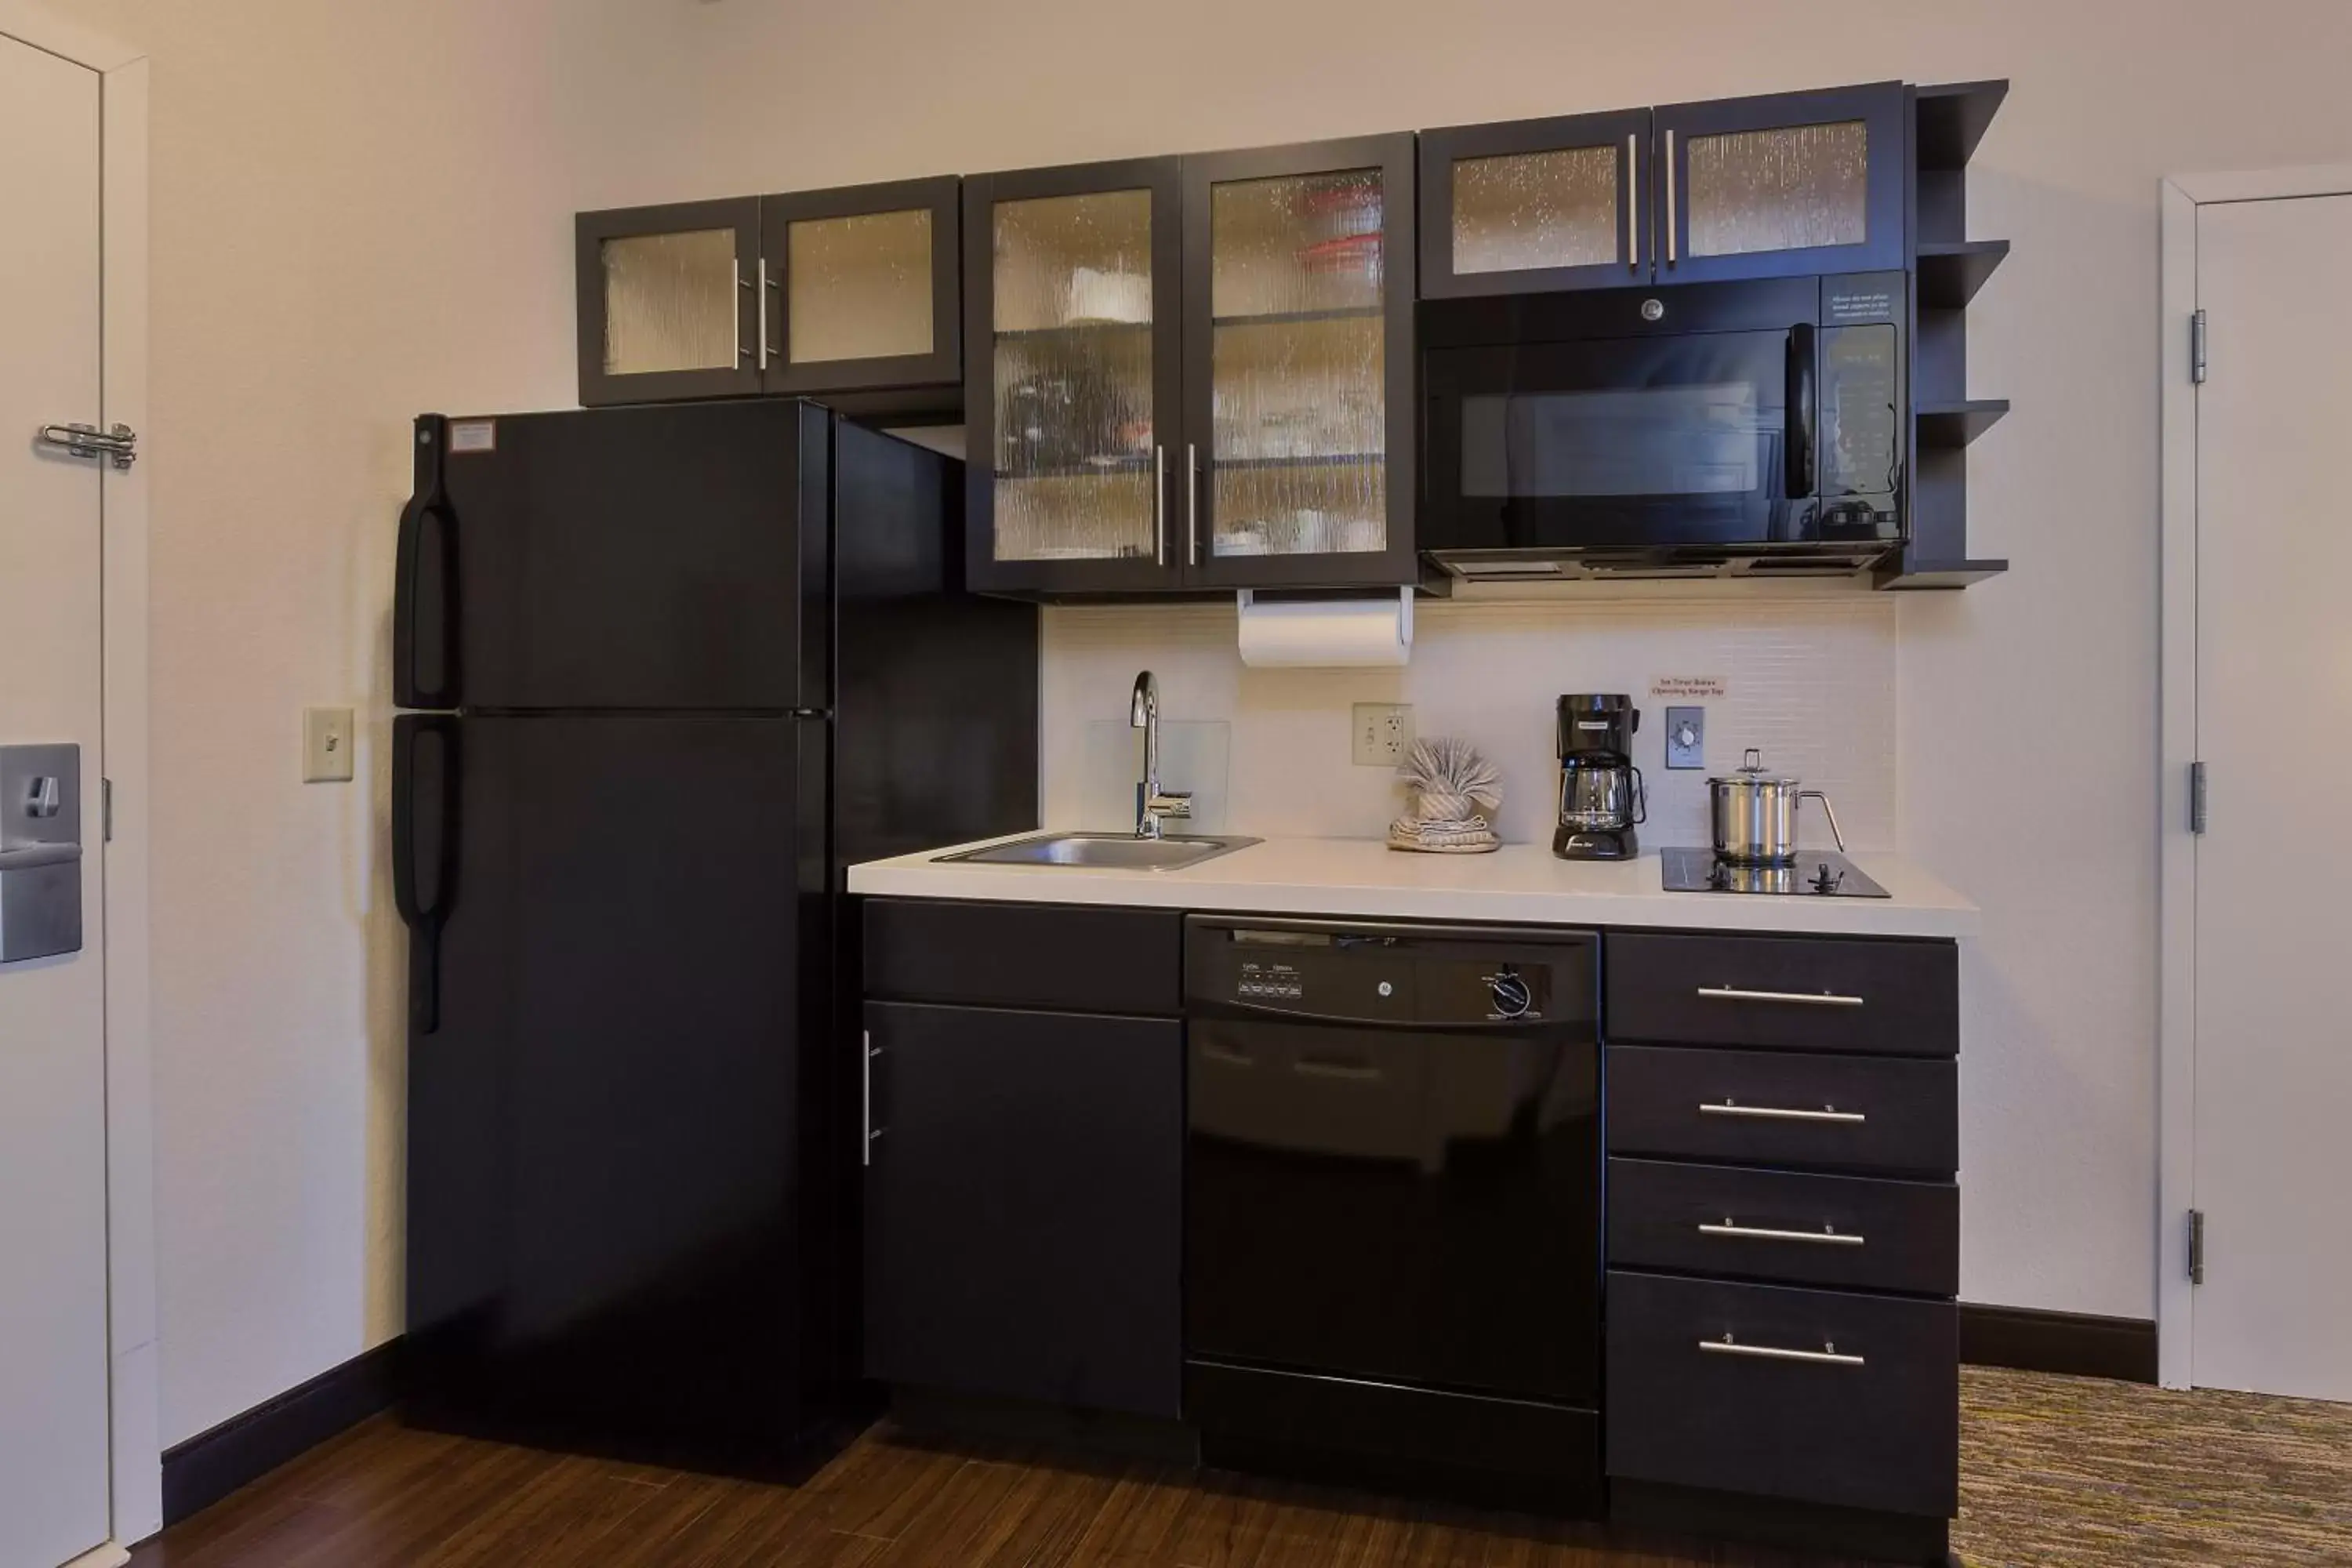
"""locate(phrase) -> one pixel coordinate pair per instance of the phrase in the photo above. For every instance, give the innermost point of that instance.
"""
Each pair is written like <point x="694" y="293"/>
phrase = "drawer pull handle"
<point x="1757" y="1233"/>
<point x="1801" y="998"/>
<point x="1828" y="1355"/>
<point x="1784" y="1114"/>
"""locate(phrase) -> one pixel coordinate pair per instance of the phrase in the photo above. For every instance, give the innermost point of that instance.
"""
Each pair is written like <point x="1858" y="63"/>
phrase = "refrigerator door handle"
<point x="424" y="663"/>
<point x="422" y="893"/>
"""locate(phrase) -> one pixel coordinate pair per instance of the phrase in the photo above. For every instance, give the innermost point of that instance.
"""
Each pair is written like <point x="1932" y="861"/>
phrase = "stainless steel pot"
<point x="1755" y="814"/>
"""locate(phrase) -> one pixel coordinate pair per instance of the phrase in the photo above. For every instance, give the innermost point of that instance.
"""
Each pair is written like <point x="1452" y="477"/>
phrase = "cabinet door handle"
<point x="1781" y="1113"/>
<point x="867" y="1054"/>
<point x="1159" y="504"/>
<point x="1633" y="204"/>
<point x="742" y="349"/>
<point x="763" y="315"/>
<point x="1801" y="998"/>
<point x="1828" y="1355"/>
<point x="1192" y="504"/>
<point x="1670" y="196"/>
<point x="1326" y="1066"/>
<point x="1758" y="1233"/>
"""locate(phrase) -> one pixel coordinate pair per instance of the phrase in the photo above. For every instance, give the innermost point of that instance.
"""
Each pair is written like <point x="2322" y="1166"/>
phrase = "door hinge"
<point x="106" y="810"/>
<point x="119" y="442"/>
<point x="2197" y="797"/>
<point x="2196" y="1246"/>
<point x="2197" y="348"/>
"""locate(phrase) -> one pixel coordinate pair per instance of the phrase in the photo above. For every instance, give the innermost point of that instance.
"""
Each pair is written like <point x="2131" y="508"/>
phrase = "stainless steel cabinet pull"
<point x="1802" y="998"/>
<point x="1670" y="197"/>
<point x="1159" y="504"/>
<point x="1757" y="1233"/>
<point x="866" y="1115"/>
<point x="1828" y="1355"/>
<point x="742" y="349"/>
<point x="763" y="315"/>
<point x="1192" y="504"/>
<point x="1634" y="203"/>
<point x="1781" y="1113"/>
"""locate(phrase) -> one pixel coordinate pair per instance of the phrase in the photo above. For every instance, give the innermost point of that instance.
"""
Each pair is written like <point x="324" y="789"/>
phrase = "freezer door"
<point x="671" y="558"/>
<point x="618" y="1215"/>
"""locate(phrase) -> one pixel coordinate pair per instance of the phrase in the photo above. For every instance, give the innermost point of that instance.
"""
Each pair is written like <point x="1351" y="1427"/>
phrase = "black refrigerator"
<point x="680" y="666"/>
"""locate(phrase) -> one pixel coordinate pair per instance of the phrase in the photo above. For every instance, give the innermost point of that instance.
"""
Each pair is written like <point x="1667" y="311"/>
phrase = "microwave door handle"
<point x="1799" y="448"/>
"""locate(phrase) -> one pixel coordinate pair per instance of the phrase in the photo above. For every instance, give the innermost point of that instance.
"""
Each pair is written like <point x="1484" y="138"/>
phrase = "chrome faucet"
<point x="1151" y="802"/>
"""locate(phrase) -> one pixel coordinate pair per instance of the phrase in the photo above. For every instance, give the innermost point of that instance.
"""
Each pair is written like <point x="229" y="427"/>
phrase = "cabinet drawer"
<point x="1058" y="956"/>
<point x="1793" y="992"/>
<point x="1781" y="1224"/>
<point x="1859" y="1407"/>
<point x="1785" y="1108"/>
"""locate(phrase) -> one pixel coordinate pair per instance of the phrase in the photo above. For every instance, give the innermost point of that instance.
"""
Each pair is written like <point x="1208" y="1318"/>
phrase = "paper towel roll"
<point x="1333" y="633"/>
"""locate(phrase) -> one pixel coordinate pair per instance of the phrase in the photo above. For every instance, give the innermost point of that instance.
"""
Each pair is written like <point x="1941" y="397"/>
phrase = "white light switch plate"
<point x="1381" y="734"/>
<point x="326" y="745"/>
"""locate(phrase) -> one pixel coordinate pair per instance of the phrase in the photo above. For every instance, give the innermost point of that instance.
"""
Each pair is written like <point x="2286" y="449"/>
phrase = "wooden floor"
<point x="386" y="1497"/>
<point x="2055" y="1472"/>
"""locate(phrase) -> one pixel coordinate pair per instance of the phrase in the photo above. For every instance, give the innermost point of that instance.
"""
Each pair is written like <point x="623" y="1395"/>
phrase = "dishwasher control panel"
<point x="1426" y="976"/>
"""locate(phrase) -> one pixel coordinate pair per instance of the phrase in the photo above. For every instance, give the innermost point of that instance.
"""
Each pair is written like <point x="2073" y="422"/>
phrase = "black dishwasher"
<point x="1392" y="1206"/>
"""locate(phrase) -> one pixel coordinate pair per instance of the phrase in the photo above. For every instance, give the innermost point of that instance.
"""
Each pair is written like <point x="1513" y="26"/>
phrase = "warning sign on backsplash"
<point x="1686" y="687"/>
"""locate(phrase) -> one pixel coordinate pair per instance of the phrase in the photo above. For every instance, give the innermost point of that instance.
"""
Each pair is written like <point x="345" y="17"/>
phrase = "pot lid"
<point x="1751" y="772"/>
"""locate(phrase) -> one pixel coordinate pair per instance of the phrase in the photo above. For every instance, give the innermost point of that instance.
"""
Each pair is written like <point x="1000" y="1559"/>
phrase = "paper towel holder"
<point x="1245" y="597"/>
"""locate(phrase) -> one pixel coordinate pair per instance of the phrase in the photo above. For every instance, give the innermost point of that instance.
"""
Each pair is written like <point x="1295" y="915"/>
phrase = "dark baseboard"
<point x="210" y="1464"/>
<point x="2033" y="1341"/>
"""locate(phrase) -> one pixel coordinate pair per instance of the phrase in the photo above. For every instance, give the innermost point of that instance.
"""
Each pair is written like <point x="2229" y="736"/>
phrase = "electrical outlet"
<point x="326" y="745"/>
<point x="1382" y="735"/>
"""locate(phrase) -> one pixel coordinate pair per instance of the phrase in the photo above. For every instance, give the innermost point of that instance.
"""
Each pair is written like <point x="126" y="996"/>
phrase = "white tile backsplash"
<point x="1809" y="681"/>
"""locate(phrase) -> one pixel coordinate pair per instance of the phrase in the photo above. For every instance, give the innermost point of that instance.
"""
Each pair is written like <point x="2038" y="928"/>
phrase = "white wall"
<point x="362" y="211"/>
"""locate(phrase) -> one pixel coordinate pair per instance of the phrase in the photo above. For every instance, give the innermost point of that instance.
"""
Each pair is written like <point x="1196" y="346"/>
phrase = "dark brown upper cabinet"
<point x="1192" y="374"/>
<point x="1791" y="184"/>
<point x="862" y="286"/>
<point x="1537" y="205"/>
<point x="668" y="306"/>
<point x="1072" y="387"/>
<point x="816" y="293"/>
<point x="1788" y="185"/>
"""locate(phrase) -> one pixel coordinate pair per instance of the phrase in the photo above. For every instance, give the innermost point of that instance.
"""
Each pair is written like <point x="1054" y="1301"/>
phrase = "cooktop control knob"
<point x="1510" y="995"/>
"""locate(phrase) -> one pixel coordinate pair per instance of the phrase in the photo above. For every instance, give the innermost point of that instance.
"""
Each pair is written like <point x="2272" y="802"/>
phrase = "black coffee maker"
<point x="1601" y="793"/>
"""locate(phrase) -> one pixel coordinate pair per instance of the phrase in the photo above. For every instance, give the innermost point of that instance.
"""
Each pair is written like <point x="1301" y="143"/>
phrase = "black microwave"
<point x="1754" y="427"/>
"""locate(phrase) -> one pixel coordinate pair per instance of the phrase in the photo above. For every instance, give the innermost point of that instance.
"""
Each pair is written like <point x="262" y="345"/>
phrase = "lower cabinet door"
<point x="1023" y="1199"/>
<point x="1819" y="1396"/>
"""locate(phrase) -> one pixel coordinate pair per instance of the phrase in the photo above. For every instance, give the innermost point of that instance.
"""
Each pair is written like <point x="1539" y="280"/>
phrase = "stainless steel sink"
<point x="1122" y="851"/>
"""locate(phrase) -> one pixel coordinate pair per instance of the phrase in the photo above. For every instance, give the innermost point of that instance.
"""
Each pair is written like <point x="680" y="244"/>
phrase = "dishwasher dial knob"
<point x="1510" y="995"/>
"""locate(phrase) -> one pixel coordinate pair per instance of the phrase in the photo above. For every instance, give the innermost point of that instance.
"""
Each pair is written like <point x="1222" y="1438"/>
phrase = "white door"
<point x="2273" y="1089"/>
<point x="53" y="1347"/>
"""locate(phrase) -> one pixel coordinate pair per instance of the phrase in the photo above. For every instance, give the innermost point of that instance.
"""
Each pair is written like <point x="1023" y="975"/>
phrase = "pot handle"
<point x="1828" y="810"/>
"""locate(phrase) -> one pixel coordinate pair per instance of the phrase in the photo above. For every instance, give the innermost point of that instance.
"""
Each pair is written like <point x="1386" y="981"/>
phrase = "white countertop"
<point x="1362" y="877"/>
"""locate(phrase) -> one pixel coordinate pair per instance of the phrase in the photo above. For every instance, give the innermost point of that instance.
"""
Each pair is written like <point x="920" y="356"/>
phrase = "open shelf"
<point x="1950" y="273"/>
<point x="1956" y="424"/>
<point x="1911" y="576"/>
<point x="1951" y="121"/>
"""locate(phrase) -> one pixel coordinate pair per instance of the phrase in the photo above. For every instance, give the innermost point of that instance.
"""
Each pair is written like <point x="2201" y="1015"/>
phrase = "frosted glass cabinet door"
<point x="667" y="302"/>
<point x="863" y="287"/>
<point x="1298" y="298"/>
<point x="1071" y="302"/>
<point x="1535" y="204"/>
<point x="1800" y="183"/>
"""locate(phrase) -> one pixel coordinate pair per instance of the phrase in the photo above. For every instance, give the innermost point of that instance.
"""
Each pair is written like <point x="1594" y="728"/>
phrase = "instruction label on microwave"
<point x="473" y="435"/>
<point x="1873" y="296"/>
<point x="1688" y="687"/>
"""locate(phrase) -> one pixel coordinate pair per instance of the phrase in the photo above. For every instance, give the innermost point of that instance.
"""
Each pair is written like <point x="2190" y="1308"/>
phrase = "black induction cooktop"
<point x="1816" y="873"/>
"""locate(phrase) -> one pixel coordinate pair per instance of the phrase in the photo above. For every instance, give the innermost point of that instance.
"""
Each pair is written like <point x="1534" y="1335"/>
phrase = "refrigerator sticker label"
<point x="474" y="435"/>
<point x="1687" y="686"/>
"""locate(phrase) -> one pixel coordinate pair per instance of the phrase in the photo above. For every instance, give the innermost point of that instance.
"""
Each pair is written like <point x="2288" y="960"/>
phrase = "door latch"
<point x="119" y="443"/>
